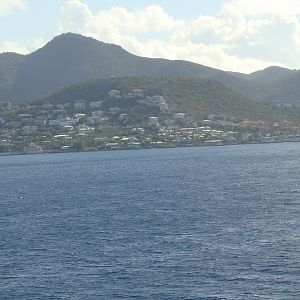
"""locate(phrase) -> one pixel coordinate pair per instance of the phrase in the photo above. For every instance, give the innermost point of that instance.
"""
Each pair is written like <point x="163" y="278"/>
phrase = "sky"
<point x="233" y="35"/>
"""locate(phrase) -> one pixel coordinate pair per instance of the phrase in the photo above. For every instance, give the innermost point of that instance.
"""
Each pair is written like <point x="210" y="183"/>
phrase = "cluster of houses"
<point x="96" y="125"/>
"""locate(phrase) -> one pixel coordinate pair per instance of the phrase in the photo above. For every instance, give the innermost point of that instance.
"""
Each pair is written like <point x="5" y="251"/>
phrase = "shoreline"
<point x="143" y="148"/>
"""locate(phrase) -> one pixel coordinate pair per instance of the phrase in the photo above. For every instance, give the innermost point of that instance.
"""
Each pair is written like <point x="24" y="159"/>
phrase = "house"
<point x="129" y="95"/>
<point x="153" y="121"/>
<point x="114" y="110"/>
<point x="97" y="113"/>
<point x="179" y="115"/>
<point x="2" y="121"/>
<point x="85" y="130"/>
<point x="33" y="148"/>
<point x="138" y="93"/>
<point x="123" y="117"/>
<point x="114" y="93"/>
<point x="94" y="105"/>
<point x="53" y="123"/>
<point x="79" y="105"/>
<point x="40" y="121"/>
<point x="29" y="129"/>
<point x="207" y="122"/>
<point x="8" y="106"/>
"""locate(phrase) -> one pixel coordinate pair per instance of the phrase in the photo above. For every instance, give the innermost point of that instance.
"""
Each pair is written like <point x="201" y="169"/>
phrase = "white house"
<point x="114" y="93"/>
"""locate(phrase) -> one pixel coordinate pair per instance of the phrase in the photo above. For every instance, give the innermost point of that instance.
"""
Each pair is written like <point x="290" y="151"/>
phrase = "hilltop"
<point x="71" y="58"/>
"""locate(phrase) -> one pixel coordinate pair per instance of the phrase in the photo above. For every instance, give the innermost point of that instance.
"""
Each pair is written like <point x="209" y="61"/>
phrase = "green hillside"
<point x="285" y="90"/>
<point x="197" y="97"/>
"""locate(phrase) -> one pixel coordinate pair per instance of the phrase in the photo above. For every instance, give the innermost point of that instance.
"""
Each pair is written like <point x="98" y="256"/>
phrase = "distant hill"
<point x="71" y="58"/>
<point x="285" y="90"/>
<point x="197" y="97"/>
<point x="271" y="85"/>
<point x="270" y="74"/>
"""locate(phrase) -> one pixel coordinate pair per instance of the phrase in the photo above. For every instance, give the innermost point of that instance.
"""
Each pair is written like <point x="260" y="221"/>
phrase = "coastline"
<point x="165" y="146"/>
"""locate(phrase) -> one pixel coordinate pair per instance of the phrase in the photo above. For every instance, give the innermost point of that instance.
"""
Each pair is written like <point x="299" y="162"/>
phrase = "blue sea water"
<point x="183" y="223"/>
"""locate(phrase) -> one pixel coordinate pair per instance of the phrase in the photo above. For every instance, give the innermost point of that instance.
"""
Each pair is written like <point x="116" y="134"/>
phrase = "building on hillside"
<point x="79" y="105"/>
<point x="179" y="115"/>
<point x="138" y="93"/>
<point x="114" y="110"/>
<point x="29" y="129"/>
<point x="94" y="105"/>
<point x="40" y="121"/>
<point x="153" y="121"/>
<point x="123" y="117"/>
<point x="2" y="121"/>
<point x="97" y="113"/>
<point x="33" y="148"/>
<point x="114" y="93"/>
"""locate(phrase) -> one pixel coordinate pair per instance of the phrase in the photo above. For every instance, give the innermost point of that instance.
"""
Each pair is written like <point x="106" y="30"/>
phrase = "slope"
<point x="270" y="74"/>
<point x="285" y="90"/>
<point x="197" y="97"/>
<point x="71" y="58"/>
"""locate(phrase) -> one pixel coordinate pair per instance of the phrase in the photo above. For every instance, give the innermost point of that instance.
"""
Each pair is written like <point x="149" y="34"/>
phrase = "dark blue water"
<point x="189" y="223"/>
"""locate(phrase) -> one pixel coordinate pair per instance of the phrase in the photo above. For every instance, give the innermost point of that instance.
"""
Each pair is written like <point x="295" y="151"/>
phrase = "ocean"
<point x="182" y="223"/>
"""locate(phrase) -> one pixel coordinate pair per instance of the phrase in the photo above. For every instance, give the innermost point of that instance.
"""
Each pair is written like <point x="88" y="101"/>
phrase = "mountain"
<point x="271" y="85"/>
<point x="70" y="58"/>
<point x="197" y="97"/>
<point x="270" y="74"/>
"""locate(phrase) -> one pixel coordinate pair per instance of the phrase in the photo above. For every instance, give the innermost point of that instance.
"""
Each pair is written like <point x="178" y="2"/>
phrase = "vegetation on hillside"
<point x="197" y="97"/>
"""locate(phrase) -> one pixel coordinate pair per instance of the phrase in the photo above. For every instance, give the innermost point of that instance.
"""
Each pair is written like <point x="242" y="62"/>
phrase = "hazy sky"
<point x="237" y="35"/>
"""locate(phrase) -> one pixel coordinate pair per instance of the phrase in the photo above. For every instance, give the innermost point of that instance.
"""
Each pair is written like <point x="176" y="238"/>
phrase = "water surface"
<point x="183" y="223"/>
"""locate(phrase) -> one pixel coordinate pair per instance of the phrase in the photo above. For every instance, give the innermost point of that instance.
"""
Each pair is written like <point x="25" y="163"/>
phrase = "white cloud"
<point x="74" y="15"/>
<point x="244" y="36"/>
<point x="10" y="46"/>
<point x="21" y="48"/>
<point x="10" y="6"/>
<point x="235" y="39"/>
<point x="257" y="8"/>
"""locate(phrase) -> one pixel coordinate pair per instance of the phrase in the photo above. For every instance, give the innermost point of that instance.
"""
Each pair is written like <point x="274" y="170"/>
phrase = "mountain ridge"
<point x="271" y="73"/>
<point x="70" y="58"/>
